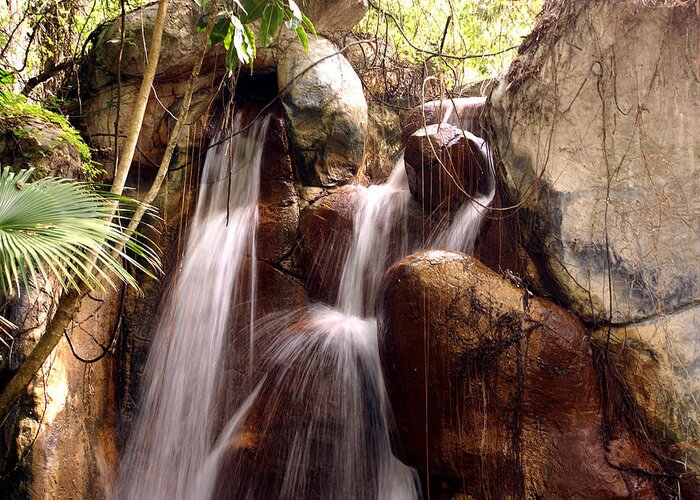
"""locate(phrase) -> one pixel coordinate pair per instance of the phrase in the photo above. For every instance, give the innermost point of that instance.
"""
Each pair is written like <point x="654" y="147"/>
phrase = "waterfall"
<point x="173" y="431"/>
<point x="317" y="423"/>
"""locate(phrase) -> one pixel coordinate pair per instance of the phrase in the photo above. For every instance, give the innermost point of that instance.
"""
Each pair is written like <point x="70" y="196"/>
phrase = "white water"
<point x="172" y="434"/>
<point x="461" y="233"/>
<point x="321" y="419"/>
<point x="380" y="213"/>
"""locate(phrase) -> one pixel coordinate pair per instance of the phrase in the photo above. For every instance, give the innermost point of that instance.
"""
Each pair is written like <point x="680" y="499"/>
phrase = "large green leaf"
<point x="231" y="59"/>
<point x="220" y="31"/>
<point x="272" y="17"/>
<point x="59" y="227"/>
<point x="309" y="25"/>
<point x="303" y="37"/>
<point x="253" y="10"/>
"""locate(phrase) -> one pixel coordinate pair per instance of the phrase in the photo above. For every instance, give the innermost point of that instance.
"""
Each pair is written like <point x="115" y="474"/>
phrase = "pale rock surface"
<point x="660" y="363"/>
<point x="597" y="128"/>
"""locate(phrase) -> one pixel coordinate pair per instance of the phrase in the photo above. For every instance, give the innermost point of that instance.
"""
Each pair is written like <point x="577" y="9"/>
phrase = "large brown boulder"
<point x="444" y="165"/>
<point x="499" y="393"/>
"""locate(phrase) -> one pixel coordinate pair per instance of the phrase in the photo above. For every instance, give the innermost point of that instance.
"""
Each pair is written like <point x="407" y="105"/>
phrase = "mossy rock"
<point x="32" y="136"/>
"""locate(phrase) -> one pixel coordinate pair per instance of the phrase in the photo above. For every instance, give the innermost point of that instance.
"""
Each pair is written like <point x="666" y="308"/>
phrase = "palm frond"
<point x="59" y="227"/>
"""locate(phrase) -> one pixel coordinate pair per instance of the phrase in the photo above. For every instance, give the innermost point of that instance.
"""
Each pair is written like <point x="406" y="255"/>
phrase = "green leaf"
<point x="303" y="38"/>
<point x="56" y="226"/>
<point x="231" y="59"/>
<point x="253" y="10"/>
<point x="272" y="17"/>
<point x="220" y="31"/>
<point x="250" y="43"/>
<point x="309" y="25"/>
<point x="229" y="36"/>
<point x="294" y="14"/>
<point x="202" y="23"/>
<point x="6" y="77"/>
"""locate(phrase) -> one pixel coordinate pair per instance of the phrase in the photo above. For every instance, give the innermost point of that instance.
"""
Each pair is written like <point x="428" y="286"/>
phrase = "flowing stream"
<point x="312" y="421"/>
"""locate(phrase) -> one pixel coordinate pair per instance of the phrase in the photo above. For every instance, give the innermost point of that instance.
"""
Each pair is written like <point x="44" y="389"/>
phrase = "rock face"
<point x="383" y="143"/>
<point x="180" y="42"/>
<point x="597" y="129"/>
<point x="279" y="199"/>
<point x="27" y="141"/>
<point x="514" y="407"/>
<point x="100" y="115"/>
<point x="325" y="231"/>
<point x="326" y="111"/>
<point x="660" y="362"/>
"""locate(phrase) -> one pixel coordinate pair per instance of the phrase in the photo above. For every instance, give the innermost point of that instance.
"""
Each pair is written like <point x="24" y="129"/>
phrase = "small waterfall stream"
<point x="316" y="423"/>
<point x="172" y="433"/>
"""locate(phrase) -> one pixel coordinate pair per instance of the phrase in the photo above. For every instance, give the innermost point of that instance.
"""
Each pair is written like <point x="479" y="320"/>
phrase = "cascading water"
<point x="461" y="233"/>
<point x="173" y="432"/>
<point x="316" y="424"/>
<point x="319" y="426"/>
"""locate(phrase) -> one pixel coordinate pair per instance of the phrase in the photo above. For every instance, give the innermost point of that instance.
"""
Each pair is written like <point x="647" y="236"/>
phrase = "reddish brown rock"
<point x="325" y="231"/>
<point x="279" y="199"/>
<point x="278" y="220"/>
<point x="444" y="166"/>
<point x="500" y="394"/>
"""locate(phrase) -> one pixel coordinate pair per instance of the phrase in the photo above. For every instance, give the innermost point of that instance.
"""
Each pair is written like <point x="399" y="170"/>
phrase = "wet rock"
<point x="277" y="291"/>
<point x="444" y="166"/>
<point x="513" y="406"/>
<point x="279" y="200"/>
<point x="276" y="163"/>
<point x="326" y="111"/>
<point x="278" y="221"/>
<point x="596" y="126"/>
<point x="325" y="230"/>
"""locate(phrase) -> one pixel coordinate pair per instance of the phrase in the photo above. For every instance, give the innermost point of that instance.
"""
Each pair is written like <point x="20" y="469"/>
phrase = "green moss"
<point x="18" y="107"/>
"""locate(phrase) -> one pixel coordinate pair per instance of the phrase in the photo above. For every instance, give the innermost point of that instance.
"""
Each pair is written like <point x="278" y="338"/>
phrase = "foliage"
<point x="36" y="35"/>
<point x="419" y="30"/>
<point x="19" y="107"/>
<point x="61" y="226"/>
<point x="233" y="30"/>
